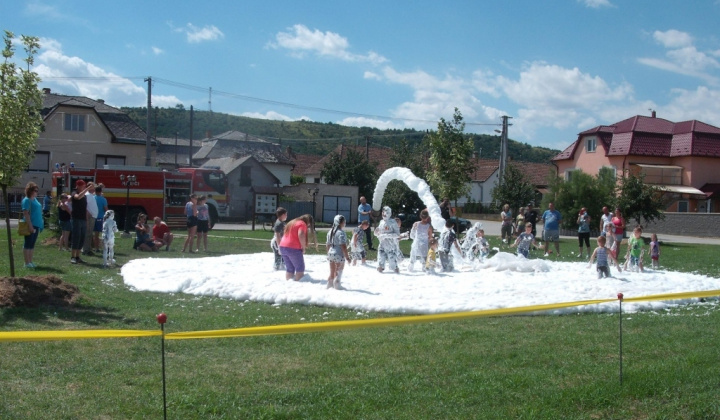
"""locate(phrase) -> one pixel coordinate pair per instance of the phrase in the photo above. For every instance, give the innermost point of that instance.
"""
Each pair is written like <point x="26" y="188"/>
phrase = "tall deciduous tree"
<point x="517" y="190"/>
<point x="450" y="163"/>
<point x="582" y="190"/>
<point x="20" y="119"/>
<point x="352" y="169"/>
<point x="640" y="201"/>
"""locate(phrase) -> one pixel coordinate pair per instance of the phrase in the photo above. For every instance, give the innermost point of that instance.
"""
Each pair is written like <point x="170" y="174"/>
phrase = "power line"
<point x="263" y="101"/>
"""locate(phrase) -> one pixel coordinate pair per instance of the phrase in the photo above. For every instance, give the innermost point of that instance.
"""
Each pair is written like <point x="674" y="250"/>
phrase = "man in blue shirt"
<point x="551" y="228"/>
<point x="364" y="210"/>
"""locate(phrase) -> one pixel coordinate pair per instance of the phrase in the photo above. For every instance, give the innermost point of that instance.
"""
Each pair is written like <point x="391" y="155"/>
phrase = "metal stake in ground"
<point x="162" y="319"/>
<point x="620" y="299"/>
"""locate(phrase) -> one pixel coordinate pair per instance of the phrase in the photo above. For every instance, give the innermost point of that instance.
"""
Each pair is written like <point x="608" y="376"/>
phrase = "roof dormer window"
<point x="590" y="144"/>
<point x="74" y="122"/>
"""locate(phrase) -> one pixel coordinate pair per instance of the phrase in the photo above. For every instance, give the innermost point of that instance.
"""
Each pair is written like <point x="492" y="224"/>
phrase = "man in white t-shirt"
<point x="605" y="219"/>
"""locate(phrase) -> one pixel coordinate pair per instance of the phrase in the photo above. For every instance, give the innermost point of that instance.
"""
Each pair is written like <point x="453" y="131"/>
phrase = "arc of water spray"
<point x="414" y="183"/>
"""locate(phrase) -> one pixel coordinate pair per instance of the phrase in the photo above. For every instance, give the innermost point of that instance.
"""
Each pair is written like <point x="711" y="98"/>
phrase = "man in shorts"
<point x="551" y="228"/>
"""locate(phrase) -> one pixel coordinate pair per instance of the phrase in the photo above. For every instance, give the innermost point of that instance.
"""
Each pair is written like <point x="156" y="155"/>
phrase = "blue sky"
<point x="558" y="68"/>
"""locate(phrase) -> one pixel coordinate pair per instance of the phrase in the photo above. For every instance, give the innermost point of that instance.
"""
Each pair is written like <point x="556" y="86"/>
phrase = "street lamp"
<point x="313" y="192"/>
<point x="127" y="180"/>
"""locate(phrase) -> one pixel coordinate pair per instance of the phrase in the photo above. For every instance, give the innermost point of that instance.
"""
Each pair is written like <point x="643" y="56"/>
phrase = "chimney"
<point x="208" y="134"/>
<point x="46" y="91"/>
<point x="653" y="113"/>
<point x="102" y="101"/>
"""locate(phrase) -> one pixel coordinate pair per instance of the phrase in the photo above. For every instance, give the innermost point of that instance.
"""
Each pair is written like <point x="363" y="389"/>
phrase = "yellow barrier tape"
<point x="333" y="325"/>
<point x="674" y="296"/>
<point x="74" y="335"/>
<point x="367" y="323"/>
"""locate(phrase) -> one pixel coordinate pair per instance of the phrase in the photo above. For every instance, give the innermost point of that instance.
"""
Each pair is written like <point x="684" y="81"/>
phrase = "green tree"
<point x="517" y="190"/>
<point x="399" y="196"/>
<point x="450" y="163"/>
<point x="20" y="119"/>
<point x="582" y="190"/>
<point x="353" y="169"/>
<point x="640" y="201"/>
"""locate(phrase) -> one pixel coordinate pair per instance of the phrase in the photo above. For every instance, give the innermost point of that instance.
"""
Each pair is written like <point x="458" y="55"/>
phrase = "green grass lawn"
<point x="529" y="367"/>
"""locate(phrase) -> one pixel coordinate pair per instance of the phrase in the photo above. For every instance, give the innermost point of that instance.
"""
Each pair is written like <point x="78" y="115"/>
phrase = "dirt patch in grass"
<point x="37" y="291"/>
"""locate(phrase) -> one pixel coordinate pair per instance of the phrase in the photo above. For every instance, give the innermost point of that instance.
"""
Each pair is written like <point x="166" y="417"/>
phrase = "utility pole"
<point x="191" y="137"/>
<point x="503" y="149"/>
<point x="147" y="129"/>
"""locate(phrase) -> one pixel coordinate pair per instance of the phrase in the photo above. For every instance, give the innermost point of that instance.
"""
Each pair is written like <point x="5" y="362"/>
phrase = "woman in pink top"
<point x="619" y="222"/>
<point x="293" y="244"/>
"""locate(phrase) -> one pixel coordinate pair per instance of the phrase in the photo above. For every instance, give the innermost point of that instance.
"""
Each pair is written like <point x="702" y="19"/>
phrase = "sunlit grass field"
<point x="531" y="367"/>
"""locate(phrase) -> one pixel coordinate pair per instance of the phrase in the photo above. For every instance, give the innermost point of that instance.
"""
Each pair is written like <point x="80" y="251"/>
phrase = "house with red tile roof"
<point x="310" y="166"/>
<point x="483" y="177"/>
<point x="681" y="158"/>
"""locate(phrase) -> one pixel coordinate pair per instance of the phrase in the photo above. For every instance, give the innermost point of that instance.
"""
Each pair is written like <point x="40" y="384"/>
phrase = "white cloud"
<point x="673" y="38"/>
<point x="74" y="76"/>
<point x="300" y="40"/>
<point x="596" y="4"/>
<point x="370" y="122"/>
<point x="683" y="57"/>
<point x="196" y="34"/>
<point x="157" y="51"/>
<point x="272" y="115"/>
<point x="701" y="104"/>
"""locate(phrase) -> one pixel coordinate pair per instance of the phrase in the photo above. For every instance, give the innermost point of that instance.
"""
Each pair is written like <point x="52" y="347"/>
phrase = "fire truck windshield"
<point x="216" y="180"/>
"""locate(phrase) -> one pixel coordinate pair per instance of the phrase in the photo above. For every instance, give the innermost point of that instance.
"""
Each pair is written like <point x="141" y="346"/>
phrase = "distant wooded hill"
<point x="307" y="137"/>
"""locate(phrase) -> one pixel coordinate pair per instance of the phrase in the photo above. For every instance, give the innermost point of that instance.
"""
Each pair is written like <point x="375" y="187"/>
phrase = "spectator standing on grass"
<point x="278" y="229"/>
<point x="507" y="224"/>
<point x="364" y="211"/>
<point x="47" y="204"/>
<point x="192" y="222"/>
<point x="605" y="219"/>
<point x="102" y="207"/>
<point x="65" y="222"/>
<point x="79" y="220"/>
<point x="203" y="215"/>
<point x="551" y="228"/>
<point x="92" y="213"/>
<point x="161" y="233"/>
<point x="531" y="216"/>
<point x="618" y="222"/>
<point x="294" y="243"/>
<point x="583" y="222"/>
<point x="33" y="214"/>
<point x="520" y="221"/>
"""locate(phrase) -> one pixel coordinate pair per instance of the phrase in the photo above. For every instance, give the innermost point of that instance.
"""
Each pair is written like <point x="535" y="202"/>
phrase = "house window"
<point x="245" y="179"/>
<point x="102" y="160"/>
<point x="683" y="206"/>
<point x="609" y="171"/>
<point x="590" y="144"/>
<point x="662" y="175"/>
<point x="74" y="122"/>
<point x="41" y="162"/>
<point x="568" y="175"/>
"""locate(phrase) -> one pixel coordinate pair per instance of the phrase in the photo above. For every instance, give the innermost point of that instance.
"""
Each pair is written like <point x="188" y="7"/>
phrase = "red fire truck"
<point x="131" y="190"/>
